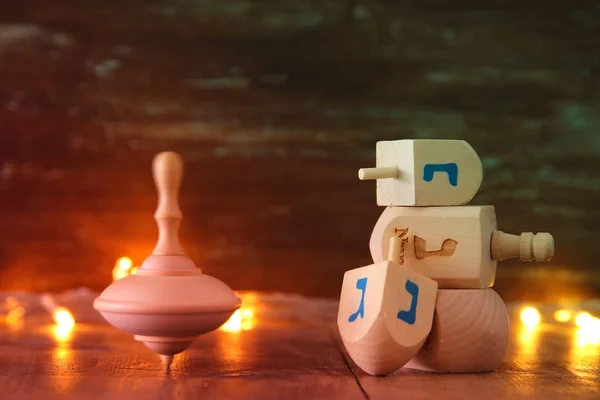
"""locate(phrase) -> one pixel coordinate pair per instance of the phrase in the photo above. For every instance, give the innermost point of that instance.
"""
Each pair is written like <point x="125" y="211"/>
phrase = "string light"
<point x="530" y="317"/>
<point x="241" y="320"/>
<point x="563" y="315"/>
<point x="122" y="268"/>
<point x="63" y="319"/>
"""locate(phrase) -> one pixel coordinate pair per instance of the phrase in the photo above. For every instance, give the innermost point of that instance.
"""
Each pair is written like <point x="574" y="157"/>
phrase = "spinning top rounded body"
<point x="169" y="301"/>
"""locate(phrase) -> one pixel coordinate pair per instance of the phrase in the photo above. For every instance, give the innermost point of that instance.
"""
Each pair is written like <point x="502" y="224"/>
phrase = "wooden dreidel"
<point x="470" y="333"/>
<point x="425" y="172"/>
<point x="458" y="247"/>
<point x="169" y="301"/>
<point x="385" y="313"/>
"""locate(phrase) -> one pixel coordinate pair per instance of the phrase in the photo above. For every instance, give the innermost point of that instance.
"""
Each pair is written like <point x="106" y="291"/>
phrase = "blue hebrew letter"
<point x="451" y="169"/>
<point x="361" y="284"/>
<point x="410" y="316"/>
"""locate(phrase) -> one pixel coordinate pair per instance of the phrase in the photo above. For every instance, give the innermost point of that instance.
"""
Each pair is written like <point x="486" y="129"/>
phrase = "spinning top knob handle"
<point x="527" y="246"/>
<point x="167" y="170"/>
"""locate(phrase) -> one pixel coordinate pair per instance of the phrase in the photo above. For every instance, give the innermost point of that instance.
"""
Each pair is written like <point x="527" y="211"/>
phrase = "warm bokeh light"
<point x="133" y="270"/>
<point x="563" y="315"/>
<point x="585" y="320"/>
<point x="123" y="267"/>
<point x="241" y="320"/>
<point x="587" y="337"/>
<point x="62" y="333"/>
<point x="234" y="323"/>
<point x="530" y="317"/>
<point x="14" y="316"/>
<point x="64" y="324"/>
<point x="124" y="263"/>
<point x="63" y="317"/>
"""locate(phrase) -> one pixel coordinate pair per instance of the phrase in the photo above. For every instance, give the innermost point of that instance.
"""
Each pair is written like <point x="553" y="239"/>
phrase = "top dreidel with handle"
<point x="425" y="186"/>
<point x="425" y="173"/>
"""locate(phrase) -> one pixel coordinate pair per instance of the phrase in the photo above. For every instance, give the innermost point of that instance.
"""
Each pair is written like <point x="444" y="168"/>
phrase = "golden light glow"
<point x="14" y="316"/>
<point x="62" y="333"/>
<point x="585" y="319"/>
<point x="133" y="270"/>
<point x="124" y="263"/>
<point x="241" y="320"/>
<point x="587" y="337"/>
<point x="63" y="318"/>
<point x="123" y="267"/>
<point x="530" y="317"/>
<point x="563" y="315"/>
<point x="64" y="324"/>
<point x="234" y="323"/>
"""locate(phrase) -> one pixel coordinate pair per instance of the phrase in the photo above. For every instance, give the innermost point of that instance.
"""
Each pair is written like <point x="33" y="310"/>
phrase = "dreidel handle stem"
<point x="394" y="248"/>
<point x="378" y="173"/>
<point x="527" y="246"/>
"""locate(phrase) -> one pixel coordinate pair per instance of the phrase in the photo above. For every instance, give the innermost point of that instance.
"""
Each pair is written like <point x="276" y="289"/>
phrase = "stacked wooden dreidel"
<point x="169" y="301"/>
<point x="425" y="185"/>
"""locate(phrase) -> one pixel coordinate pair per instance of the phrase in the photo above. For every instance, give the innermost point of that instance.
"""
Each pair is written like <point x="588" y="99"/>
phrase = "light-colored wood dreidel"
<point x="385" y="314"/>
<point x="458" y="247"/>
<point x="425" y="172"/>
<point x="470" y="333"/>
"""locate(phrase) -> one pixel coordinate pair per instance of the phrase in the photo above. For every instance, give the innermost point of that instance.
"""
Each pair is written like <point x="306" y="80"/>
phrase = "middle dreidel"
<point x="385" y="313"/>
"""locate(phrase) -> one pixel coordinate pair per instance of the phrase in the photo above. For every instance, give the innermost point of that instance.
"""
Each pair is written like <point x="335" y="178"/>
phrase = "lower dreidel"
<point x="385" y="313"/>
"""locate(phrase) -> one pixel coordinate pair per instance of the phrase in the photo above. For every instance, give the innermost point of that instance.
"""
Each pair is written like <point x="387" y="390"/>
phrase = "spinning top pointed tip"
<point x="167" y="361"/>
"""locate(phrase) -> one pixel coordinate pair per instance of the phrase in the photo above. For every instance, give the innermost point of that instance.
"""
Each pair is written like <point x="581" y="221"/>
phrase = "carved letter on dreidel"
<point x="385" y="313"/>
<point x="448" y="244"/>
<point x="425" y="173"/>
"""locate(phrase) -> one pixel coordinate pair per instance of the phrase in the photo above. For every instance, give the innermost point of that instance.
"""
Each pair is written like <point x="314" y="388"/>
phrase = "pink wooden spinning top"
<point x="169" y="301"/>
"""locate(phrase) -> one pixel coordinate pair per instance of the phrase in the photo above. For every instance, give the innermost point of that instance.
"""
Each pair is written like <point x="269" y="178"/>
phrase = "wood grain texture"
<point x="291" y="351"/>
<point x="470" y="333"/>
<point x="167" y="170"/>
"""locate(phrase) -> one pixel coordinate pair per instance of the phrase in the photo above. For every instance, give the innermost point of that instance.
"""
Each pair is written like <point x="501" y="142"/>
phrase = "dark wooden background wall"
<point x="275" y="105"/>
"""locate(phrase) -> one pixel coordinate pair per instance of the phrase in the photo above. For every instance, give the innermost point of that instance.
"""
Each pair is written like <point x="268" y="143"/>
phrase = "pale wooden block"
<point x="448" y="244"/>
<point x="470" y="333"/>
<point x="385" y="315"/>
<point x="425" y="172"/>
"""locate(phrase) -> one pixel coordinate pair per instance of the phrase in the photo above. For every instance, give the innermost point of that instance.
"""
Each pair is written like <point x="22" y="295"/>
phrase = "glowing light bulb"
<point x="122" y="268"/>
<point x="562" y="315"/>
<point x="530" y="317"/>
<point x="241" y="320"/>
<point x="234" y="323"/>
<point x="125" y="263"/>
<point x="63" y="318"/>
<point x="584" y="320"/>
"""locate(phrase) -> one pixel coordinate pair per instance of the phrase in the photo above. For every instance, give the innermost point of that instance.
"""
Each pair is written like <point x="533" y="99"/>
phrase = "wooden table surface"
<point x="282" y="347"/>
